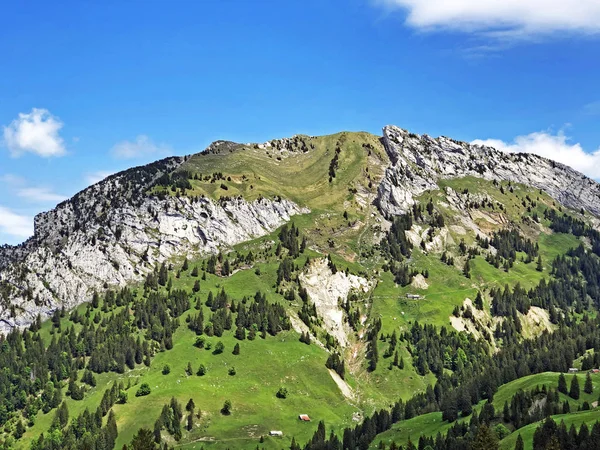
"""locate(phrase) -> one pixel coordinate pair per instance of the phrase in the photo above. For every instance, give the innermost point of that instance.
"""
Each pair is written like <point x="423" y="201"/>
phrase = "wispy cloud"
<point x="15" y="225"/>
<point x="95" y="177"/>
<point x="36" y="132"/>
<point x="502" y="20"/>
<point x="142" y="146"/>
<point x="592" y="108"/>
<point x="553" y="146"/>
<point x="32" y="194"/>
<point x="40" y="195"/>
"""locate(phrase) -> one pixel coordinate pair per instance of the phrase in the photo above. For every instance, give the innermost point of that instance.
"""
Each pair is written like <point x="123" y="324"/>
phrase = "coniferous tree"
<point x="163" y="275"/>
<point x="479" y="301"/>
<point x="574" y="390"/>
<point x="467" y="269"/>
<point x="519" y="445"/>
<point x="190" y="406"/>
<point x="143" y="440"/>
<point x="485" y="439"/>
<point x="562" y="384"/>
<point x="589" y="386"/>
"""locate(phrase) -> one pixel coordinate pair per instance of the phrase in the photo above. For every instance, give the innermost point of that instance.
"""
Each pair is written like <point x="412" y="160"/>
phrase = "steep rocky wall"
<point x="418" y="162"/>
<point x="112" y="234"/>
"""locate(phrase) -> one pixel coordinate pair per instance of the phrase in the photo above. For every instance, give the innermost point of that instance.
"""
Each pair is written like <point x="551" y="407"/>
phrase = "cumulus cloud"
<point x="15" y="225"/>
<point x="143" y="146"/>
<point x="553" y="146"/>
<point x="35" y="132"/>
<point x="502" y="19"/>
<point x="95" y="177"/>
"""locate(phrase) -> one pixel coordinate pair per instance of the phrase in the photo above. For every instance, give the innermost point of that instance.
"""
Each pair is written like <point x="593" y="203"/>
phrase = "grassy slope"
<point x="449" y="288"/>
<point x="578" y="418"/>
<point x="430" y="424"/>
<point x="265" y="365"/>
<point x="262" y="367"/>
<point x="304" y="179"/>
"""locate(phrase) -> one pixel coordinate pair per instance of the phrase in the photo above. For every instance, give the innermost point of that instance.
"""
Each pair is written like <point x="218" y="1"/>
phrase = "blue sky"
<point x="90" y="88"/>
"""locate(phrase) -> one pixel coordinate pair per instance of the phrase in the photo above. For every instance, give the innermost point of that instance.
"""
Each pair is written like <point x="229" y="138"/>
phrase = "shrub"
<point x="226" y="409"/>
<point x="282" y="392"/>
<point x="144" y="389"/>
<point x="219" y="348"/>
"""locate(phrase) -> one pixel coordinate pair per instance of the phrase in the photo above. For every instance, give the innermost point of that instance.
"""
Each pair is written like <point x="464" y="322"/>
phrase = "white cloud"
<point x="15" y="225"/>
<point x="36" y="132"/>
<point x="502" y="18"/>
<point x="33" y="194"/>
<point x="95" y="177"/>
<point x="556" y="147"/>
<point x="40" y="195"/>
<point x="143" y="146"/>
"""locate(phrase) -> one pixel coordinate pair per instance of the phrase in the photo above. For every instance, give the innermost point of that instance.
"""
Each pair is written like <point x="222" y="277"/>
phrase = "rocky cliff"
<point x="113" y="233"/>
<point x="117" y="230"/>
<point x="418" y="162"/>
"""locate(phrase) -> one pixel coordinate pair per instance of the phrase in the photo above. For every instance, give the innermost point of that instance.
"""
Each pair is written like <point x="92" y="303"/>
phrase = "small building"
<point x="413" y="296"/>
<point x="595" y="371"/>
<point x="304" y="417"/>
<point x="275" y="433"/>
<point x="573" y="370"/>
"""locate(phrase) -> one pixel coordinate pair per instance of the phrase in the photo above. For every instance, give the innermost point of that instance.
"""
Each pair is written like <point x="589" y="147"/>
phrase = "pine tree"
<point x="588" y="387"/>
<point x="19" y="429"/>
<point x="540" y="266"/>
<point x="562" y="384"/>
<point x="479" y="301"/>
<point x="294" y="445"/>
<point x="163" y="274"/>
<point x="111" y="430"/>
<point x="519" y="444"/>
<point x="143" y="440"/>
<point x="485" y="439"/>
<point x="467" y="269"/>
<point x="574" y="390"/>
<point x="190" y="406"/>
<point x="236" y="349"/>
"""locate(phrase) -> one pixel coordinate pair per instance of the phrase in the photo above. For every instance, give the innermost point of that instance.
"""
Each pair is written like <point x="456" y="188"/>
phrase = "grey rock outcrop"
<point x="418" y="162"/>
<point x="113" y="233"/>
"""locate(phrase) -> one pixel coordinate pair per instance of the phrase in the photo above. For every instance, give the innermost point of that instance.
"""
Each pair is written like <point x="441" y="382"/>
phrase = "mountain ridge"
<point x="112" y="232"/>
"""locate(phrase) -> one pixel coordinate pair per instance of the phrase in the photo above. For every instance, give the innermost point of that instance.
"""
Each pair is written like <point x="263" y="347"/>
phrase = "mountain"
<point x="115" y="231"/>
<point x="418" y="162"/>
<point x="377" y="284"/>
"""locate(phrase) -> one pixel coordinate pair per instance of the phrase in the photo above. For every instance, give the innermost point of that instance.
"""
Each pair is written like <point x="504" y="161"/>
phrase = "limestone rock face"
<point x="418" y="162"/>
<point x="113" y="233"/>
